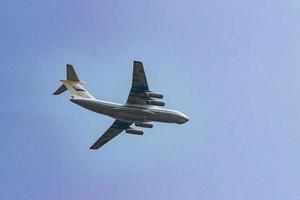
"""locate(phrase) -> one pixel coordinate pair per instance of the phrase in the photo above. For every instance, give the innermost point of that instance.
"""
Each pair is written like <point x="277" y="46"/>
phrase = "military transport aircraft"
<point x="142" y="106"/>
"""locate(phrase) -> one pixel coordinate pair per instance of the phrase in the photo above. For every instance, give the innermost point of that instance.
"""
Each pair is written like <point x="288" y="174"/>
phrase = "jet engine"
<point x="145" y="125"/>
<point x="155" y="103"/>
<point x="155" y="95"/>
<point x="134" y="131"/>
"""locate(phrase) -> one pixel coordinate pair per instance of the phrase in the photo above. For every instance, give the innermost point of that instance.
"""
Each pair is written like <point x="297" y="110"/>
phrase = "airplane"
<point x="142" y="107"/>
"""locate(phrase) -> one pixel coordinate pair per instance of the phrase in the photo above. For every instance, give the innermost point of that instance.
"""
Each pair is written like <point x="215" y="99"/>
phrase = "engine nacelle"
<point x="155" y="103"/>
<point x="145" y="125"/>
<point x="134" y="131"/>
<point x="155" y="95"/>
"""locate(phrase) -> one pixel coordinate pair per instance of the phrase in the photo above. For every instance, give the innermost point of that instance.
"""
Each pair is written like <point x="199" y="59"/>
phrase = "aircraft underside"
<point x="141" y="108"/>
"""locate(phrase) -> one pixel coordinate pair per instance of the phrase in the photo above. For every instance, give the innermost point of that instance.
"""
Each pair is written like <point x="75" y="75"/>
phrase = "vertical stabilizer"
<point x="71" y="74"/>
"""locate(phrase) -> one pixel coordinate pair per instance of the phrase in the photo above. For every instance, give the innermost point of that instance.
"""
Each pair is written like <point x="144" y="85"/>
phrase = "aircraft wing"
<point x="139" y="85"/>
<point x="116" y="128"/>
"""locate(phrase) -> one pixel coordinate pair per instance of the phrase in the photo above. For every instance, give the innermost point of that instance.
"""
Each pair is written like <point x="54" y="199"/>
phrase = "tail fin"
<point x="73" y="85"/>
<point x="71" y="74"/>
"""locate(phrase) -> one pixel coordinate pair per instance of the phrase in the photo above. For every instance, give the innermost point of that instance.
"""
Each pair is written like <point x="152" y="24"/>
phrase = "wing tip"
<point x="93" y="147"/>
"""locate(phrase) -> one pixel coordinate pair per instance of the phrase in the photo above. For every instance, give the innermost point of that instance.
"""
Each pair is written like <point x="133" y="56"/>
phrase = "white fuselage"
<point x="132" y="113"/>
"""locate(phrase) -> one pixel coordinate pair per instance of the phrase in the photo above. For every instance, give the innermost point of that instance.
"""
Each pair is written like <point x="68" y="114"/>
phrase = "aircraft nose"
<point x="184" y="119"/>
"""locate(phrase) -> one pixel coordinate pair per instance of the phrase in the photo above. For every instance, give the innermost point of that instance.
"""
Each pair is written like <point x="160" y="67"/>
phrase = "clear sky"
<point x="232" y="66"/>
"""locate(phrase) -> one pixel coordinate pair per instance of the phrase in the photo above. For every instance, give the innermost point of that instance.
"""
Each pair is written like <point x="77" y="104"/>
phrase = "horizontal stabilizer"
<point x="60" y="90"/>
<point x="71" y="74"/>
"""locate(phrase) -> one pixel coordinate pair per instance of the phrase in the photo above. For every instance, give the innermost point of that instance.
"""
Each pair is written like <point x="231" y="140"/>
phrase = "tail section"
<point x="73" y="85"/>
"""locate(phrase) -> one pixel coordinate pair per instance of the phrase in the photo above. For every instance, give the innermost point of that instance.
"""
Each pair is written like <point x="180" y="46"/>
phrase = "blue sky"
<point x="231" y="66"/>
